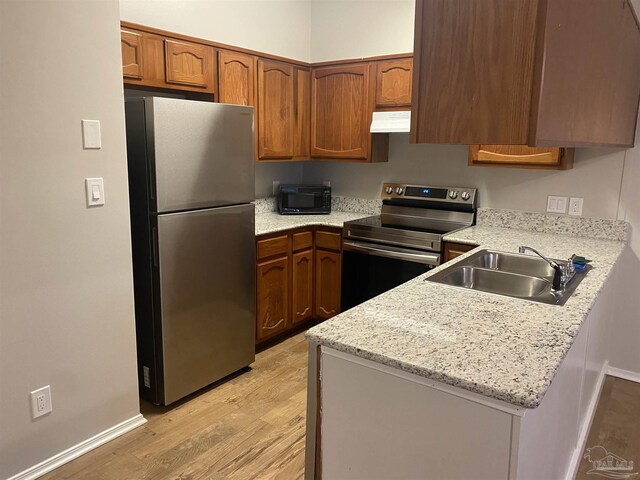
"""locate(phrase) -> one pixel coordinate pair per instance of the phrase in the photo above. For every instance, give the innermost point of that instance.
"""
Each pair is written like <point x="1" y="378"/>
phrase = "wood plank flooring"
<point x="616" y="426"/>
<point x="253" y="427"/>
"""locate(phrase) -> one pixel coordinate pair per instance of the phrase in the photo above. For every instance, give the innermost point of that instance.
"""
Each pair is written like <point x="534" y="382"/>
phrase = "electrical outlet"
<point x="575" y="206"/>
<point x="327" y="183"/>
<point x="41" y="402"/>
<point x="556" y="204"/>
<point x="276" y="187"/>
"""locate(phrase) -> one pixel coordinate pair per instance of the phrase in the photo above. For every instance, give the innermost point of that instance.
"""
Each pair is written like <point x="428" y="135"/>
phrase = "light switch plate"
<point x="556" y="204"/>
<point x="91" y="138"/>
<point x="575" y="206"/>
<point x="94" y="188"/>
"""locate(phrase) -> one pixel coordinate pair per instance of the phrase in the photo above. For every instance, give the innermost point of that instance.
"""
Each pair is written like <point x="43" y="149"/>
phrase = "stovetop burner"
<point x="416" y="216"/>
<point x="377" y="221"/>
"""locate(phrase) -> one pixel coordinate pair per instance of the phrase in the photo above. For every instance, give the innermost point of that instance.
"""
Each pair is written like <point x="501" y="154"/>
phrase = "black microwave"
<point x="304" y="199"/>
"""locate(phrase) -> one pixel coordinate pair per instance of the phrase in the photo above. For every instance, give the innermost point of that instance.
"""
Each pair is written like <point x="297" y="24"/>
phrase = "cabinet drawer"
<point x="328" y="240"/>
<point x="302" y="240"/>
<point x="273" y="246"/>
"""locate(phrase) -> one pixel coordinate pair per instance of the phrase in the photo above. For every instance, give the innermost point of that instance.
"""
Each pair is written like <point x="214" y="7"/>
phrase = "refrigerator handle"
<point x="152" y="185"/>
<point x="154" y="239"/>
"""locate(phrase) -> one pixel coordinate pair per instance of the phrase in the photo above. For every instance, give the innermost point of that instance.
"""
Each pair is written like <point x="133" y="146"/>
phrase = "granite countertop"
<point x="270" y="222"/>
<point x="504" y="348"/>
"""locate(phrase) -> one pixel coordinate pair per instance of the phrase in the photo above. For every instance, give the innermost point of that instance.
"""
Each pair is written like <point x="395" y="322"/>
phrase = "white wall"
<point x="625" y="333"/>
<point x="279" y="27"/>
<point x="343" y="29"/>
<point x="596" y="177"/>
<point x="267" y="172"/>
<point x="66" y="295"/>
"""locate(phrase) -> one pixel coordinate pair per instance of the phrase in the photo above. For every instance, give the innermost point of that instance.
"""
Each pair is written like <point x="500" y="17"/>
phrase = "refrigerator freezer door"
<point x="207" y="286"/>
<point x="203" y="153"/>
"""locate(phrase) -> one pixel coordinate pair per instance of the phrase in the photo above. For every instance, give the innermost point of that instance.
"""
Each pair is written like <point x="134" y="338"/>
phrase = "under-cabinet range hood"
<point x="391" y="122"/>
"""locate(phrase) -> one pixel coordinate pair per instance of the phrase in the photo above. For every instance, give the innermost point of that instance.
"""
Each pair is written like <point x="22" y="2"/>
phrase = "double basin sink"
<point x="509" y="274"/>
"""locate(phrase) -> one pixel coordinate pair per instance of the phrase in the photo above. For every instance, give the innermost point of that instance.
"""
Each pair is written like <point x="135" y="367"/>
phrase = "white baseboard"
<point x="583" y="434"/>
<point x="625" y="374"/>
<point x="80" y="449"/>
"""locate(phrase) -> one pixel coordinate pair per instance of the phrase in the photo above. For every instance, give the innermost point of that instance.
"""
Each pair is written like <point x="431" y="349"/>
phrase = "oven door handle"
<point x="432" y="259"/>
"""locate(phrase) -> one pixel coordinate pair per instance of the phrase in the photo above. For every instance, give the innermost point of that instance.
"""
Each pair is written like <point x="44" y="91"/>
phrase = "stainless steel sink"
<point x="495" y="281"/>
<point x="513" y="263"/>
<point x="509" y="274"/>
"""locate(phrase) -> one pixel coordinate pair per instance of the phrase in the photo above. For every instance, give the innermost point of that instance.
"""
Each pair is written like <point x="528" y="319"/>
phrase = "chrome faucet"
<point x="561" y="275"/>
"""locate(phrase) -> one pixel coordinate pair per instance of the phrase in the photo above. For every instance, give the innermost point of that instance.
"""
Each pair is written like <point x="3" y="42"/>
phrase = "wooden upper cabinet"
<point x="236" y="78"/>
<point x="521" y="156"/>
<point x="340" y="111"/>
<point x="393" y="83"/>
<point x="302" y="114"/>
<point x="153" y="60"/>
<point x="276" y="108"/>
<point x="189" y="63"/>
<point x="525" y="72"/>
<point x="132" y="59"/>
<point x="588" y="85"/>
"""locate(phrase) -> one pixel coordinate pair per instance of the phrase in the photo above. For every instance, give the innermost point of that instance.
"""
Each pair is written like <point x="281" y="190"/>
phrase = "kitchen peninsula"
<point x="433" y="381"/>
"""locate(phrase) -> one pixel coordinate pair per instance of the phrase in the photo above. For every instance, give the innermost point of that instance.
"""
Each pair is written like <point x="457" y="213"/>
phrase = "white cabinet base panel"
<point x="381" y="426"/>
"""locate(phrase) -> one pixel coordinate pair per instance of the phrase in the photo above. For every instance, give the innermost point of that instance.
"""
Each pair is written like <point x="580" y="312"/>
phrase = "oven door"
<point x="370" y="269"/>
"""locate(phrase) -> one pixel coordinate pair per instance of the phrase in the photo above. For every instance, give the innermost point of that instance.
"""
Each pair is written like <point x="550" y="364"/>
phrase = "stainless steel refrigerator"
<point x="191" y="181"/>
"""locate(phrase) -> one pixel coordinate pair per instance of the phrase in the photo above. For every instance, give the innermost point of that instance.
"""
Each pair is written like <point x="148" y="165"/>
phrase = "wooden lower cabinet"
<point x="272" y="308"/>
<point x="302" y="286"/>
<point x="328" y="275"/>
<point x="453" y="250"/>
<point x="297" y="279"/>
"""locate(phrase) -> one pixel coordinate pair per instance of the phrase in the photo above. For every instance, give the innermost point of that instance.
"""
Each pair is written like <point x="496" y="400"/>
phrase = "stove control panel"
<point x="458" y="195"/>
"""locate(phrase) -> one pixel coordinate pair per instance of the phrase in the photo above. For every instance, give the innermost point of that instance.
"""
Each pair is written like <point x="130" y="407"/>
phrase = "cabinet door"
<point x="328" y="274"/>
<point x="521" y="156"/>
<point x="474" y="66"/>
<point x="131" y="45"/>
<point x="302" y="288"/>
<point x="302" y="114"/>
<point x="189" y="64"/>
<point x="340" y="111"/>
<point x="275" y="110"/>
<point x="273" y="297"/>
<point x="393" y="83"/>
<point x="236" y="78"/>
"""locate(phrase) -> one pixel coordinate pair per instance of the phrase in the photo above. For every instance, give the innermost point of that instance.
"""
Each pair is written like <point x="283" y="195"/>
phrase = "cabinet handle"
<point x="302" y="313"/>
<point x="265" y="327"/>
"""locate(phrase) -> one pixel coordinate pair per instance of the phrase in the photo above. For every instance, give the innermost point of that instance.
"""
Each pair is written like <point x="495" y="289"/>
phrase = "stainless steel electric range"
<point x="404" y="241"/>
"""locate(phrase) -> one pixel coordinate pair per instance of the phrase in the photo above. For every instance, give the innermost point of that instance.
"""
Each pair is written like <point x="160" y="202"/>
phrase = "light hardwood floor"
<point x="616" y="425"/>
<point x="252" y="426"/>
